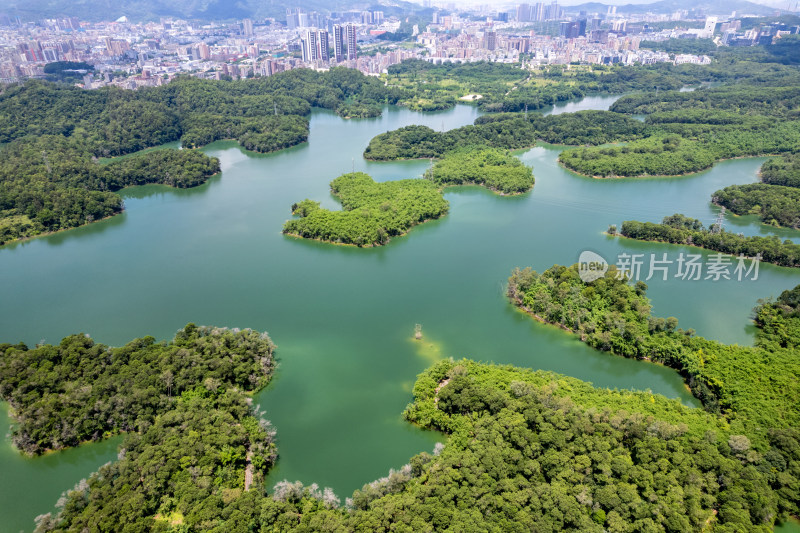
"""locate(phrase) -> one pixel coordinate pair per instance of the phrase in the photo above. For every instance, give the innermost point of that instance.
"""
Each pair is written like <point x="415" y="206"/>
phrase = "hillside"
<point x="138" y="10"/>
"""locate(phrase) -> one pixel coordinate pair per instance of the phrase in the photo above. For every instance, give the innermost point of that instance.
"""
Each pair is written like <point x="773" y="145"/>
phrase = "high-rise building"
<point x="322" y="45"/>
<point x="203" y="51"/>
<point x="710" y="27"/>
<point x="537" y="12"/>
<point x="523" y="13"/>
<point x="574" y="29"/>
<point x="310" y="50"/>
<point x="292" y="18"/>
<point x="315" y="46"/>
<point x="338" y="43"/>
<point x="247" y="27"/>
<point x="352" y="50"/>
<point x="490" y="39"/>
<point x="554" y="11"/>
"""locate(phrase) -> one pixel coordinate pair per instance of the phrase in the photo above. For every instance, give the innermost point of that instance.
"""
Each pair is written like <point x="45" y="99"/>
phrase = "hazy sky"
<point x="785" y="4"/>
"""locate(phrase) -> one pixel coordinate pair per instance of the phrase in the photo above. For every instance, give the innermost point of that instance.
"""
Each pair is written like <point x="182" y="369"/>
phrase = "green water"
<point x="792" y="526"/>
<point x="343" y="318"/>
<point x="29" y="487"/>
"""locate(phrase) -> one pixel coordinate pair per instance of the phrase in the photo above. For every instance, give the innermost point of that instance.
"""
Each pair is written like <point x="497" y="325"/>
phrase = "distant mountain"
<point x="712" y="7"/>
<point x="138" y="10"/>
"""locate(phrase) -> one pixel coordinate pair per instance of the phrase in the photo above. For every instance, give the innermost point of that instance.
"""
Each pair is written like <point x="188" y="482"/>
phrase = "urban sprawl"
<point x="132" y="55"/>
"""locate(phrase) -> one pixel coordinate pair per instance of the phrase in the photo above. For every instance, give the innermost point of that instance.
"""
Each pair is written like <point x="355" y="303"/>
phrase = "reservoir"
<point x="342" y="317"/>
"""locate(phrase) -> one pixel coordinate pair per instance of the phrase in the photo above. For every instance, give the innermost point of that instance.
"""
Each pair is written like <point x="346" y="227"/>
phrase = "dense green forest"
<point x="49" y="183"/>
<point x="683" y="132"/>
<point x="671" y="230"/>
<point x="775" y="204"/>
<point x="80" y="390"/>
<point x="508" y="130"/>
<point x="655" y="156"/>
<point x="184" y="472"/>
<point x="513" y="436"/>
<point x="495" y="169"/>
<point x="372" y="213"/>
<point x="429" y="87"/>
<point x="780" y="321"/>
<point x="776" y="200"/>
<point x="783" y="170"/>
<point x="525" y="451"/>
<point x="50" y="132"/>
<point x="753" y="387"/>
<point x="688" y="131"/>
<point x="425" y="86"/>
<point x="681" y="46"/>
<point x="268" y="113"/>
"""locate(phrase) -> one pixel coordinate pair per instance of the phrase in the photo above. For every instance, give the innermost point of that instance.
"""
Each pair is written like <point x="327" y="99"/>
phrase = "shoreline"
<point x="497" y="192"/>
<point x="620" y="235"/>
<point x="518" y="305"/>
<point x="437" y="158"/>
<point x="86" y="224"/>
<point x="441" y="189"/>
<point x="616" y="177"/>
<point x="372" y="245"/>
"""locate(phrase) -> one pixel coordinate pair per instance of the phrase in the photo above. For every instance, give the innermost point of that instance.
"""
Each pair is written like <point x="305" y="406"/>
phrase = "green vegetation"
<point x="775" y="200"/>
<point x="780" y="321"/>
<point x="113" y="121"/>
<point x="259" y="134"/>
<point x="185" y="472"/>
<point x="780" y="101"/>
<point x="577" y="458"/>
<point x="655" y="156"/>
<point x="682" y="46"/>
<point x="372" y="213"/>
<point x="775" y="204"/>
<point x="50" y="183"/>
<point x="424" y="86"/>
<point x="783" y="170"/>
<point x="429" y="87"/>
<point x="67" y="71"/>
<point x="688" y="132"/>
<point x="495" y="169"/>
<point x="753" y="387"/>
<point x="508" y="131"/>
<point x="525" y="451"/>
<point x="672" y="230"/>
<point x="79" y="390"/>
<point x="49" y="134"/>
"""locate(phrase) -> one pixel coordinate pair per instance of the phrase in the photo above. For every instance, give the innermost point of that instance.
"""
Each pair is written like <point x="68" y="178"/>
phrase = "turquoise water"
<point x="343" y="318"/>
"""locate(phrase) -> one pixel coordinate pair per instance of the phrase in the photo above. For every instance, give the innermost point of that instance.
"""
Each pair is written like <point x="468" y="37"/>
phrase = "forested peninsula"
<point x="776" y="200"/>
<point x="50" y="183"/>
<point x="50" y="133"/>
<point x="80" y="390"/>
<point x="677" y="229"/>
<point x="682" y="132"/>
<point x="372" y="213"/>
<point x="510" y="131"/>
<point x="525" y="450"/>
<point x="753" y="387"/>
